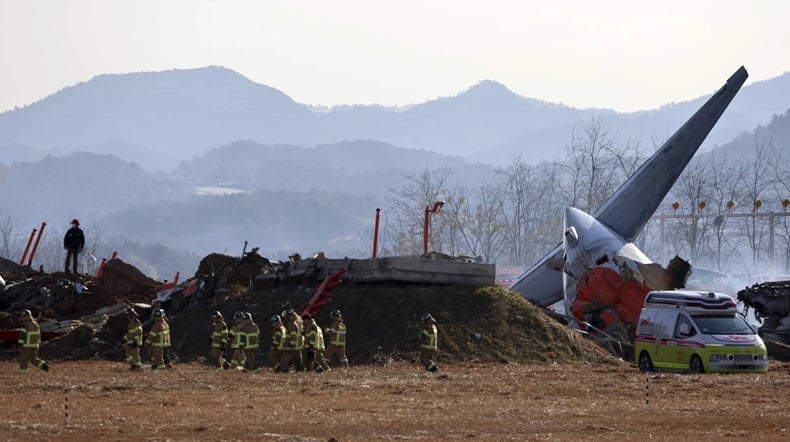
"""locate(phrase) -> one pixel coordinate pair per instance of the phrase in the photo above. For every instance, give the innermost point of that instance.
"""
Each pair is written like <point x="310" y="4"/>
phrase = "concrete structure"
<point x="398" y="268"/>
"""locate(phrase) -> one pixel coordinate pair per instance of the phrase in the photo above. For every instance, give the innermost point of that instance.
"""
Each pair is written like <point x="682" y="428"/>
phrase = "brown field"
<point x="399" y="401"/>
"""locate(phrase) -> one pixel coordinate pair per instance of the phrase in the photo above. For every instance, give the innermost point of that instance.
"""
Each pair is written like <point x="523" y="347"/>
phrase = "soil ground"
<point x="463" y="401"/>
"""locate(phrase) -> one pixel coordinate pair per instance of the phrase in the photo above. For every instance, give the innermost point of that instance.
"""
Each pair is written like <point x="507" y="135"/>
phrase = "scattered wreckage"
<point x="81" y="316"/>
<point x="771" y="304"/>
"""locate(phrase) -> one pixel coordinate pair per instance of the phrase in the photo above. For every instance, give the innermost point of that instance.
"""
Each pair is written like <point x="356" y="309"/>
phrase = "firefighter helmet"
<point x="427" y="317"/>
<point x="216" y="314"/>
<point x="248" y="315"/>
<point x="335" y="314"/>
<point x="27" y="314"/>
<point x="131" y="312"/>
<point x="238" y="315"/>
<point x="276" y="318"/>
<point x="159" y="313"/>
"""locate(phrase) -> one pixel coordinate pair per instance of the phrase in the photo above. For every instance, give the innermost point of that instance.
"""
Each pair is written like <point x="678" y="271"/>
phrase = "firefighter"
<point x="219" y="339"/>
<point x="29" y="341"/>
<point x="428" y="342"/>
<point x="294" y="341"/>
<point x="237" y="340"/>
<point x="337" y="338"/>
<point x="314" y="344"/>
<point x="133" y="339"/>
<point x="252" y="336"/>
<point x="278" y="340"/>
<point x="158" y="340"/>
<point x="166" y="350"/>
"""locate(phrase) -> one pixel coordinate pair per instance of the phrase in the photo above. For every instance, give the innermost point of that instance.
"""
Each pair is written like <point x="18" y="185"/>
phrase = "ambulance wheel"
<point x="645" y="364"/>
<point x="695" y="366"/>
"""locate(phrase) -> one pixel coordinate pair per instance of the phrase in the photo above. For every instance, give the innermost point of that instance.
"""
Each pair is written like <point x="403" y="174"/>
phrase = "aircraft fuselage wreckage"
<point x="597" y="263"/>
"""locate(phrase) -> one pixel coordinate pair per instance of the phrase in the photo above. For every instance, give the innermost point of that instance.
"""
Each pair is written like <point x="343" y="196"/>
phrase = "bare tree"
<point x="407" y="210"/>
<point x="11" y="240"/>
<point x="591" y="166"/>
<point x="756" y="180"/>
<point x="691" y="192"/>
<point x="723" y="191"/>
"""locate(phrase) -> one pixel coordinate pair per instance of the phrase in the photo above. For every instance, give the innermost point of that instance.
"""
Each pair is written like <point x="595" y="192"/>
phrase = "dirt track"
<point x="460" y="402"/>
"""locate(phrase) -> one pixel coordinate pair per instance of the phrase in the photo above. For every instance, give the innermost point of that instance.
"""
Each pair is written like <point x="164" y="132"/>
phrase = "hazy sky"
<point x="626" y="55"/>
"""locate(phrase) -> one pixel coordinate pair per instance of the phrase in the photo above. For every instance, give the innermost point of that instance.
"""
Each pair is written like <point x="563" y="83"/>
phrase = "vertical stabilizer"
<point x="631" y="206"/>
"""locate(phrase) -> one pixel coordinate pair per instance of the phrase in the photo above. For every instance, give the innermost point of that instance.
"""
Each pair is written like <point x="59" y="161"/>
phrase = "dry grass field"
<point x="400" y="401"/>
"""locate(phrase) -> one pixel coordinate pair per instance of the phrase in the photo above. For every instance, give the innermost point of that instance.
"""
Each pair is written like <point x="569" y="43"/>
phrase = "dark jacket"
<point x="74" y="239"/>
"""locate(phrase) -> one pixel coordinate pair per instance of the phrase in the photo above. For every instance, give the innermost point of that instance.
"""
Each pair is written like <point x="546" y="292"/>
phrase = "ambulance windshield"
<point x="722" y="325"/>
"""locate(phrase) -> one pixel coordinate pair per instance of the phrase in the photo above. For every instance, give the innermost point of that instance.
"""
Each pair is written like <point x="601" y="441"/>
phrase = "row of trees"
<point x="515" y="217"/>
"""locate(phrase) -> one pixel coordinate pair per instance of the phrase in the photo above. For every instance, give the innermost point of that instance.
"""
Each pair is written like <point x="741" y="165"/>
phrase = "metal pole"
<point x="771" y="253"/>
<point x="425" y="230"/>
<point x="24" y="255"/>
<point x="35" y="246"/>
<point x="376" y="233"/>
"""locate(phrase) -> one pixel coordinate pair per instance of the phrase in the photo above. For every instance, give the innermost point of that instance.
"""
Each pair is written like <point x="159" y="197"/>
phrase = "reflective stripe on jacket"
<point x="429" y="338"/>
<point x="314" y="338"/>
<point x="337" y="332"/>
<point x="134" y="334"/>
<point x="30" y="337"/>
<point x="278" y="337"/>
<point x="236" y="336"/>
<point x="159" y="336"/>
<point x="220" y="335"/>
<point x="293" y="337"/>
<point x="251" y="332"/>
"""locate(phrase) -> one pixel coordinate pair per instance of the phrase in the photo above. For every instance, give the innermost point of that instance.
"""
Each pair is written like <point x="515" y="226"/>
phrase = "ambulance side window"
<point x="684" y="329"/>
<point x="645" y="326"/>
<point x="665" y="323"/>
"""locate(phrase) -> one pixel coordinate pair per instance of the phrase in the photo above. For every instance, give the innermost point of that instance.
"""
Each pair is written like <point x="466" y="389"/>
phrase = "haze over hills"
<point x="132" y="154"/>
<point x="157" y="119"/>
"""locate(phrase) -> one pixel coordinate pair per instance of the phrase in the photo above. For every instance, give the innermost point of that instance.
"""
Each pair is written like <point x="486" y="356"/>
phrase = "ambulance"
<point x="698" y="332"/>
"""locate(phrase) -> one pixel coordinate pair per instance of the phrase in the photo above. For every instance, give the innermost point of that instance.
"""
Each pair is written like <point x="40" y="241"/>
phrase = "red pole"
<point x="425" y="230"/>
<point x="101" y="267"/>
<point x="24" y="255"/>
<point x="175" y="281"/>
<point x="35" y="246"/>
<point x="376" y="234"/>
<point x="437" y="207"/>
<point x="104" y="261"/>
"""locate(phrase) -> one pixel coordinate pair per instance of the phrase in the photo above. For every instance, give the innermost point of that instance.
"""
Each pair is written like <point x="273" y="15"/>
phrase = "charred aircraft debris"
<point x="771" y="304"/>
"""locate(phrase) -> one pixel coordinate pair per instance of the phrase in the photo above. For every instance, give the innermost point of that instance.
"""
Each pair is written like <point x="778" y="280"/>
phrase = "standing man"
<point x="337" y="338"/>
<point x="29" y="341"/>
<point x="428" y="342"/>
<point x="278" y="340"/>
<point x="73" y="242"/>
<point x="219" y="339"/>
<point x="252" y="336"/>
<point x="133" y="339"/>
<point x="158" y="339"/>
<point x="314" y="343"/>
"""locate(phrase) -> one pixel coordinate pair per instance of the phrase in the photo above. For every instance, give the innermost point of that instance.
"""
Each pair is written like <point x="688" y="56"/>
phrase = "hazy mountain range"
<point x="160" y="157"/>
<point x="158" y="119"/>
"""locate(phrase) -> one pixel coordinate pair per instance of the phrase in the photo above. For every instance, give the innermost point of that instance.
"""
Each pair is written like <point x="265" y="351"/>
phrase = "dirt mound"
<point x="486" y="324"/>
